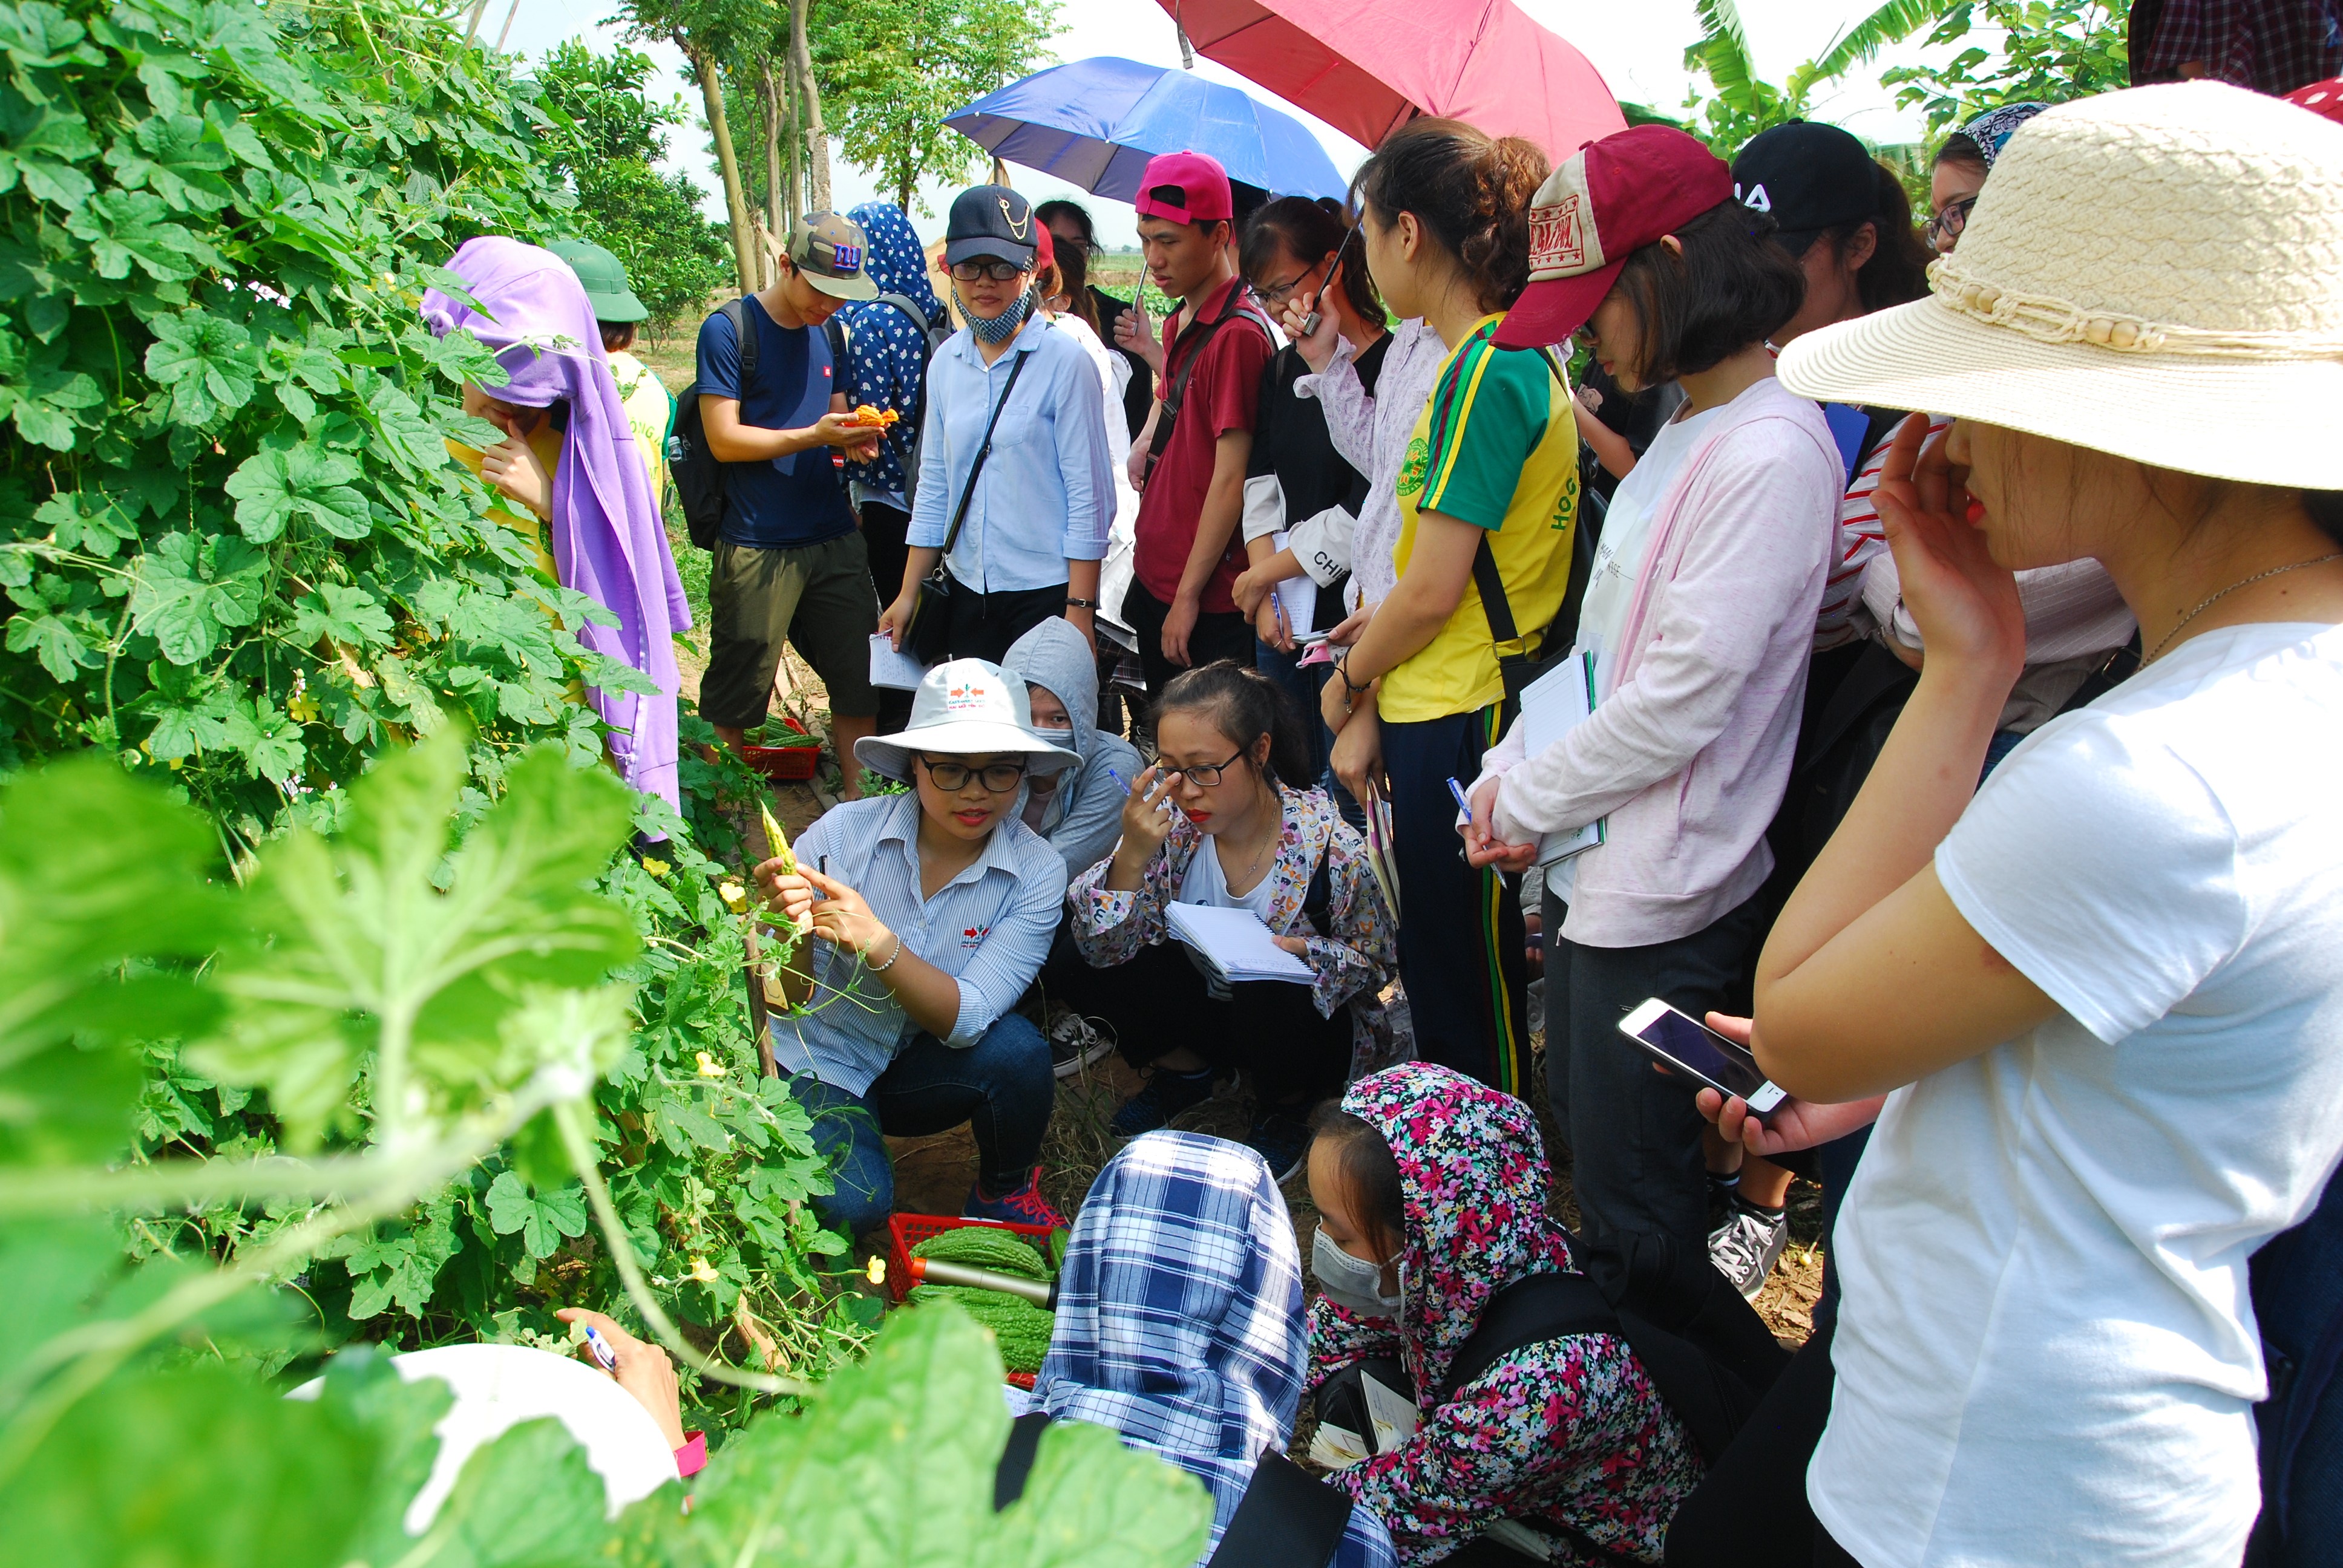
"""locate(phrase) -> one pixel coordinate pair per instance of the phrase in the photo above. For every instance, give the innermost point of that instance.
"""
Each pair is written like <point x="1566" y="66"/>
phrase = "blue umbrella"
<point x="1095" y="122"/>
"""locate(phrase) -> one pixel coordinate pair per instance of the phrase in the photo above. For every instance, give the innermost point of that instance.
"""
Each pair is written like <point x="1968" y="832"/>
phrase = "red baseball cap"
<point x="1044" y="253"/>
<point x="2321" y="98"/>
<point x="1612" y="198"/>
<point x="1185" y="187"/>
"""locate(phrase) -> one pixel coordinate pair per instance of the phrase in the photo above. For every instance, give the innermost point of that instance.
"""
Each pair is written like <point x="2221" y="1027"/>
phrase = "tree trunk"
<point x="736" y="200"/>
<point x="777" y="197"/>
<point x="816" y="140"/>
<point x="796" y="141"/>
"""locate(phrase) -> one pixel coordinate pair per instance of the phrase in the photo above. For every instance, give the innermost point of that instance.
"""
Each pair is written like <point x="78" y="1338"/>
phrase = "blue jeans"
<point x="1001" y="1086"/>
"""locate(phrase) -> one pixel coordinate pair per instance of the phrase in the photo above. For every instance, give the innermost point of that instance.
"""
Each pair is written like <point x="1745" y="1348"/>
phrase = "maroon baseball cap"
<point x="1612" y="198"/>
<point x="1185" y="187"/>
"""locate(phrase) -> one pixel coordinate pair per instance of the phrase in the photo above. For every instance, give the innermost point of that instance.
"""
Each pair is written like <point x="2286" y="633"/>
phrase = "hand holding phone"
<point x="1681" y="1043"/>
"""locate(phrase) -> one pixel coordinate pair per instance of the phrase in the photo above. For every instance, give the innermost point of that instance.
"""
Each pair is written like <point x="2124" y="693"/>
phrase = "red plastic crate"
<point x="905" y="1231"/>
<point x="790" y="762"/>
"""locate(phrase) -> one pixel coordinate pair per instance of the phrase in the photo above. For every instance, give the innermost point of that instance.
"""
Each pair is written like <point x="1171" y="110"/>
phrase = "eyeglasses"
<point x="1948" y="223"/>
<point x="998" y="778"/>
<point x="1276" y="294"/>
<point x="998" y="271"/>
<point x="1205" y="775"/>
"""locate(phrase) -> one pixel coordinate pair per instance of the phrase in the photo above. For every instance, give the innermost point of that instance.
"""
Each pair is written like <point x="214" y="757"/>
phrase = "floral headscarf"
<point x="1472" y="1178"/>
<point x="608" y="542"/>
<point x="886" y="350"/>
<point x="1179" y="1320"/>
<point x="1991" y="131"/>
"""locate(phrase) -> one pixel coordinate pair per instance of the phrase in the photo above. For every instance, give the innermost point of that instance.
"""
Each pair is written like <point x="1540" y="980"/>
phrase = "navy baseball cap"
<point x="990" y="220"/>
<point x="1811" y="177"/>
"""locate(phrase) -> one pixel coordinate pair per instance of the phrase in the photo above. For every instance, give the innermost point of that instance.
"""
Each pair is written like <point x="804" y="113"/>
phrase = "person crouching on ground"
<point x="937" y="917"/>
<point x="1430" y="1189"/>
<point x="1214" y="823"/>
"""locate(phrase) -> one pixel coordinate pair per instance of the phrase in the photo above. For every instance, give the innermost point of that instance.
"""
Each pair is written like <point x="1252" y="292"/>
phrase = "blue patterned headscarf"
<point x="1179" y="1320"/>
<point x="1991" y="131"/>
<point x="885" y="349"/>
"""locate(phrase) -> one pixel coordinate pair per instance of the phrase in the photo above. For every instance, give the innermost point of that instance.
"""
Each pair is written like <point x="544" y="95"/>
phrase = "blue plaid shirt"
<point x="989" y="928"/>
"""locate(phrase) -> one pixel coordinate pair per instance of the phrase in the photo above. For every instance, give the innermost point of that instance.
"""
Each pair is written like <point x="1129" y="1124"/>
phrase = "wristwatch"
<point x="1073" y="603"/>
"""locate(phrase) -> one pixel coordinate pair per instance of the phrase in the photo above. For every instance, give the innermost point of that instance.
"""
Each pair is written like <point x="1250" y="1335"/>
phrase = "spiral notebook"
<point x="1235" y="944"/>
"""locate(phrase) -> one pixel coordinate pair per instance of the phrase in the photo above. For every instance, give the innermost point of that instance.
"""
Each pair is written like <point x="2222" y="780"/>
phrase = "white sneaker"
<point x="1075" y="1043"/>
<point x="1744" y="1248"/>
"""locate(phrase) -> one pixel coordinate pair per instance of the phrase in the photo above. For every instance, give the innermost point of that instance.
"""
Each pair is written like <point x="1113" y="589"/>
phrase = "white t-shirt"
<point x="1626" y="530"/>
<point x="1204" y="883"/>
<point x="2046" y="1352"/>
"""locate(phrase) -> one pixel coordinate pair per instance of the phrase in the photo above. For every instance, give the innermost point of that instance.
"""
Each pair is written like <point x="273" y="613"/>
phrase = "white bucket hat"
<point x="967" y="707"/>
<point x="2156" y="273"/>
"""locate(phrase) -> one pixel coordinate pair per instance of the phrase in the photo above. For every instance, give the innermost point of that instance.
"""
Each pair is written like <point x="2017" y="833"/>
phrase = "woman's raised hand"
<point x="511" y="470"/>
<point x="1965" y="604"/>
<point x="787" y="893"/>
<point x="1147" y="817"/>
<point x="1317" y="349"/>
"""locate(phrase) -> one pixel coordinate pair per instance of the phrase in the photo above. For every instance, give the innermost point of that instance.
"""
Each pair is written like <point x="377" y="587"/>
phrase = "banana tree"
<point x="1740" y="104"/>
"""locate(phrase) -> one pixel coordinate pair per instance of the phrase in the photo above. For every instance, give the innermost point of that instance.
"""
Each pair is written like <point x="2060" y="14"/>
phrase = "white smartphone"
<point x="1689" y="1045"/>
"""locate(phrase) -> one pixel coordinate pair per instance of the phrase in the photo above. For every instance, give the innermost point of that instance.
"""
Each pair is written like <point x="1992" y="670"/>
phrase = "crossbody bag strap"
<point x="1486" y="576"/>
<point x="968" y="490"/>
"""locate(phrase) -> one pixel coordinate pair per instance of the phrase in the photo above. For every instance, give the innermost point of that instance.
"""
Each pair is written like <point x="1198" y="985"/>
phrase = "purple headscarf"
<point x="606" y="533"/>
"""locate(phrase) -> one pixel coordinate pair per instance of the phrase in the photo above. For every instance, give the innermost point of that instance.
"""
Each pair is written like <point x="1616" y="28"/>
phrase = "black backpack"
<point x="698" y="475"/>
<point x="2298" y="1286"/>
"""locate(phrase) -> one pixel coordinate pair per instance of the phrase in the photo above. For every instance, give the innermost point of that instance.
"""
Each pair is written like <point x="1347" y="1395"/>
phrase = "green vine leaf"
<point x="272" y="488"/>
<point x="191" y="592"/>
<point x="542" y="1219"/>
<point x="209" y="364"/>
<point x="127" y="227"/>
<point x="343" y="613"/>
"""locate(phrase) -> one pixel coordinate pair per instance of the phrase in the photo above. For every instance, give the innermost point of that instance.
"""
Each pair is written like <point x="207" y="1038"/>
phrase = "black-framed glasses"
<point x="1205" y="775"/>
<point x="1948" y="223"/>
<point x="1276" y="294"/>
<point x="999" y="271"/>
<point x="998" y="778"/>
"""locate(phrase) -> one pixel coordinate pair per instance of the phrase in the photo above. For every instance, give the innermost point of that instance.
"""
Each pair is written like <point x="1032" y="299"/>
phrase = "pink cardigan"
<point x="1689" y="750"/>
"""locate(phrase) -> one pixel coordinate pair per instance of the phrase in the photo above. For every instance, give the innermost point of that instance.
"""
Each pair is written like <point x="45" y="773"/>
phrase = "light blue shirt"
<point x="989" y="928"/>
<point x="1047" y="493"/>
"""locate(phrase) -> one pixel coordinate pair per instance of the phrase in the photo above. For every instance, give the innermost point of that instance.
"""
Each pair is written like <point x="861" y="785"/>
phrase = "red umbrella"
<point x="1368" y="66"/>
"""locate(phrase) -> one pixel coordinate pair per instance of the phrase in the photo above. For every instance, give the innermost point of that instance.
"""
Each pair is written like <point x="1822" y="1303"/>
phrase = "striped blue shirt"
<point x="989" y="928"/>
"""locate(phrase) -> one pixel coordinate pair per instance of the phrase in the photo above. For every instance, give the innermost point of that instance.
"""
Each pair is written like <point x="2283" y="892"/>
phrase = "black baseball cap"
<point x="990" y="220"/>
<point x="1811" y="177"/>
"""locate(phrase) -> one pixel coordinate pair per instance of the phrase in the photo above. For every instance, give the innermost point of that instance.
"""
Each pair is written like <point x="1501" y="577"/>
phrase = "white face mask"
<point x="1350" y="1282"/>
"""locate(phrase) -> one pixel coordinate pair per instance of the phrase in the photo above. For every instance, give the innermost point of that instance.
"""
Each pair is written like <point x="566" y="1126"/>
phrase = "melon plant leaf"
<point x="385" y="927"/>
<point x="272" y="488"/>
<point x="96" y="870"/>
<point x="543" y="1218"/>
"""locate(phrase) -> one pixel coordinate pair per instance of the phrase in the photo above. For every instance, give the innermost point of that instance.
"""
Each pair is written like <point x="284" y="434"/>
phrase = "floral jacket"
<point x="1355" y="958"/>
<point x="1569" y="1436"/>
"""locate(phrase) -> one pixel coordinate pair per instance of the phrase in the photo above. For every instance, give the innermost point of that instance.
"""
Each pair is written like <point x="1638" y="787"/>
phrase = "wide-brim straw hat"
<point x="2155" y="273"/>
<point x="965" y="708"/>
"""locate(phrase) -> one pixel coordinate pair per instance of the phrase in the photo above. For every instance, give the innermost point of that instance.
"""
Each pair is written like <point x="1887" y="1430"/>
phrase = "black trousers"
<point x="983" y="625"/>
<point x="1218" y="635"/>
<point x="1463" y="944"/>
<point x="1750" y="1509"/>
<point x="1635" y="1133"/>
<point x="1158" y="1003"/>
<point x="883" y="537"/>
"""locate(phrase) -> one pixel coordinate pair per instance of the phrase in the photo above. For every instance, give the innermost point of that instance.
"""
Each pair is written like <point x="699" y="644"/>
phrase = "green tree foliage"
<point x="488" y="974"/>
<point x="1739" y="104"/>
<point x="891" y="70"/>
<point x="238" y="561"/>
<point x="2051" y="51"/>
<point x="611" y="134"/>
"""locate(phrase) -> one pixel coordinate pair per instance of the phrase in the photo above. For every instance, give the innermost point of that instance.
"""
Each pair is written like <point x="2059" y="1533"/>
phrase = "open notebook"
<point x="1235" y="944"/>
<point x="1553" y="705"/>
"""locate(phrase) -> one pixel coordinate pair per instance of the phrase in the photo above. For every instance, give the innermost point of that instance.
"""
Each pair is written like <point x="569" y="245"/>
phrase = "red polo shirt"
<point x="1224" y="394"/>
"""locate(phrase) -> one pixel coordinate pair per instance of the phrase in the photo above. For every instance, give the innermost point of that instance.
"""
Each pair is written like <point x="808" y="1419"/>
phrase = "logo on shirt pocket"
<point x="974" y="936"/>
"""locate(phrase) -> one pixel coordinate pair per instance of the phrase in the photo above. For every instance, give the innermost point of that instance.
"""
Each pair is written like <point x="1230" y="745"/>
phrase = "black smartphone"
<point x="1684" y="1044"/>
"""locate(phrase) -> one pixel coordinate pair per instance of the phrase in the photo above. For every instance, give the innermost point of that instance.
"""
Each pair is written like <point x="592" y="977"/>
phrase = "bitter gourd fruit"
<point x="982" y="1247"/>
<point x="1020" y="1328"/>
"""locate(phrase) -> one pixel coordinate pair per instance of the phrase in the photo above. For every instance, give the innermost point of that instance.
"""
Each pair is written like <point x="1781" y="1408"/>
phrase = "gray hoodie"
<point x="1082" y="818"/>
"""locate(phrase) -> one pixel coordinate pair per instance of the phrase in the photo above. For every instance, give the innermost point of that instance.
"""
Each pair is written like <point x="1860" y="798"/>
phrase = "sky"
<point x="1637" y="45"/>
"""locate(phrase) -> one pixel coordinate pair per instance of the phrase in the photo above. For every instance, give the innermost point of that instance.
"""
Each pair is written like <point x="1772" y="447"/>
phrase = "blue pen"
<point x="601" y="1349"/>
<point x="1463" y="804"/>
<point x="1118" y="778"/>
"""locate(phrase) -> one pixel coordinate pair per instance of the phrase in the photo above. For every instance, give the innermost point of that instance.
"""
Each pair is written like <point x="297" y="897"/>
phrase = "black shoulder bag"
<point x="927" y="635"/>
<point x="1519" y="669"/>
